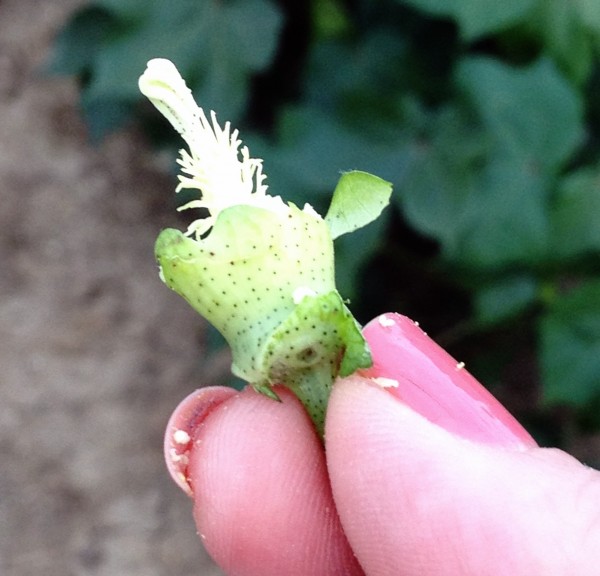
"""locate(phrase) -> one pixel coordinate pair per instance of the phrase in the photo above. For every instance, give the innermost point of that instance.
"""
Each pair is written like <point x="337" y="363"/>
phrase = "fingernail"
<point x="414" y="369"/>
<point x="183" y="427"/>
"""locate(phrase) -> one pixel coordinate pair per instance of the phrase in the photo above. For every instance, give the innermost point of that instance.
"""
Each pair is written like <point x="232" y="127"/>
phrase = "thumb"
<point x="423" y="488"/>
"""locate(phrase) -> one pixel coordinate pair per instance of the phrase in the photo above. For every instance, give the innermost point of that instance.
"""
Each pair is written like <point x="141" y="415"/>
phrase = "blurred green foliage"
<point x="485" y="116"/>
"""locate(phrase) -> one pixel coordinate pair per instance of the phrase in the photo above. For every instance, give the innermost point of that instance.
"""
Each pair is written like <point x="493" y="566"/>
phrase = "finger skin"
<point x="262" y="500"/>
<point x="415" y="499"/>
<point x="183" y="427"/>
<point x="460" y="490"/>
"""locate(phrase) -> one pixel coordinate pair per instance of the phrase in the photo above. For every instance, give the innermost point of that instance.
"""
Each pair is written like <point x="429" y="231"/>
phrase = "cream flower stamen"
<point x="216" y="164"/>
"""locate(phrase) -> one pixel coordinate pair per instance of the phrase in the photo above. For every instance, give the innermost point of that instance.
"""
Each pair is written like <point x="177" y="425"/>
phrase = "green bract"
<point x="258" y="269"/>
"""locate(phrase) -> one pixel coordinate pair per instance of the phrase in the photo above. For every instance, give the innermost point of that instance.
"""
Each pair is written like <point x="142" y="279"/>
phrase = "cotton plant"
<point x="259" y="269"/>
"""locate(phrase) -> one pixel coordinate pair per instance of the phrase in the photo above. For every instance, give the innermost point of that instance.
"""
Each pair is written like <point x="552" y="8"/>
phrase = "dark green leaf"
<point x="589" y="11"/>
<point x="532" y="112"/>
<point x="505" y="299"/>
<point x="505" y="221"/>
<point x="441" y="177"/>
<point x="375" y="67"/>
<point x="80" y="42"/>
<point x="216" y="47"/>
<point x="477" y="18"/>
<point x="564" y="30"/>
<point x="105" y="115"/>
<point x="483" y="190"/>
<point x="130" y="9"/>
<point x="352" y="253"/>
<point x="570" y="353"/>
<point x="576" y="214"/>
<point x="311" y="143"/>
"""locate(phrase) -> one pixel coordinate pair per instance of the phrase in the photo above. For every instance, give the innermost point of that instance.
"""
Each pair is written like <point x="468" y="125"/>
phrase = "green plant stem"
<point x="313" y="388"/>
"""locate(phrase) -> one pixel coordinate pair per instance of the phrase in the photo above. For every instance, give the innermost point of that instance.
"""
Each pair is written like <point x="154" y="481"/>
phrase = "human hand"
<point x="427" y="476"/>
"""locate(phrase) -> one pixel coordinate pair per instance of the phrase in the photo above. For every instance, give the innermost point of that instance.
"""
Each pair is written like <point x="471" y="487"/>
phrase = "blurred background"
<point x="484" y="115"/>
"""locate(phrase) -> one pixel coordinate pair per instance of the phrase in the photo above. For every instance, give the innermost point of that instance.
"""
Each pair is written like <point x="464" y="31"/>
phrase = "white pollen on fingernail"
<point x="385" y="321"/>
<point x="386" y="382"/>
<point x="181" y="437"/>
<point x="177" y="458"/>
<point x="460" y="365"/>
<point x="416" y="323"/>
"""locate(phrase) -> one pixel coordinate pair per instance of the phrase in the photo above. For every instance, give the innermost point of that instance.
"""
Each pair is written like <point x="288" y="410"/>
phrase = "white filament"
<point x="215" y="164"/>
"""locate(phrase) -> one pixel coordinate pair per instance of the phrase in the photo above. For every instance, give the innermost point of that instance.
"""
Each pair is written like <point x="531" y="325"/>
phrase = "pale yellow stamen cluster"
<point x="215" y="163"/>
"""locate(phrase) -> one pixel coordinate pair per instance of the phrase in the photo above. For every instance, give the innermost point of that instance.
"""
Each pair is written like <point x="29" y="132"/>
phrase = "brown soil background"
<point x="94" y="351"/>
